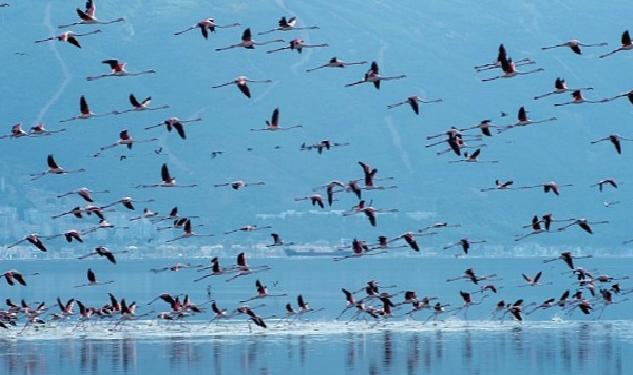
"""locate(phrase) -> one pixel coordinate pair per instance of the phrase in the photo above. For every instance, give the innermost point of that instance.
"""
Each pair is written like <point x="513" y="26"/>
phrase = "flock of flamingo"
<point x="590" y="291"/>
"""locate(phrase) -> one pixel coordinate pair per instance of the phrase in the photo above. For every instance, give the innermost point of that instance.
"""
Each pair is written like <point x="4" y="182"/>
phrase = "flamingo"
<point x="442" y="224"/>
<point x="127" y="202"/>
<point x="325" y="144"/>
<point x="287" y="24"/>
<point x="371" y="212"/>
<point x="34" y="239"/>
<point x="509" y="70"/>
<point x="174" y="267"/>
<point x="533" y="281"/>
<point x="104" y="252"/>
<point x="516" y="309"/>
<point x="248" y="42"/>
<point x="414" y="103"/>
<point x="242" y="84"/>
<point x="248" y="228"/>
<point x="560" y="87"/>
<point x="188" y="232"/>
<point x="88" y="17"/>
<point x="13" y="276"/>
<point x="244" y="269"/>
<point x="577" y="98"/>
<point x="523" y="120"/>
<point x="626" y="44"/>
<point x="297" y="44"/>
<point x="16" y="132"/>
<point x="124" y="139"/>
<point x="206" y="25"/>
<point x="373" y="76"/>
<point x="147" y="214"/>
<point x="54" y="168"/>
<point x="216" y="269"/>
<point x="167" y="180"/>
<point x="584" y="224"/>
<point x="628" y="95"/>
<point x="484" y="126"/>
<point x="473" y="158"/>
<point x="273" y="124"/>
<point x="575" y="45"/>
<point x="499" y="185"/>
<point x="92" y="280"/>
<point x="84" y="193"/>
<point x="262" y="292"/>
<point x="607" y="181"/>
<point x="238" y="184"/>
<point x="383" y="243"/>
<point x="334" y="62"/>
<point x="118" y="70"/>
<point x="141" y="106"/>
<point x="40" y="130"/>
<point x="175" y="123"/>
<point x="359" y="249"/>
<point x="470" y="275"/>
<point x="501" y="55"/>
<point x="464" y="243"/>
<point x="551" y="186"/>
<point x="568" y="258"/>
<point x="68" y="37"/>
<point x="85" y="112"/>
<point x="316" y="199"/>
<point x="277" y="241"/>
<point x="615" y="139"/>
<point x="70" y="235"/>
<point x="468" y="302"/>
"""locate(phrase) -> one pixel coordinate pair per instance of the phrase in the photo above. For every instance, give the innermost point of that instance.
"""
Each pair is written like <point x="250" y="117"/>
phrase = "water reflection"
<point x="583" y="348"/>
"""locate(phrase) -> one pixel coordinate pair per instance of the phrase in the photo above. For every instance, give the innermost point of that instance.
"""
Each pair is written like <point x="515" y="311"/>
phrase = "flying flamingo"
<point x="325" y="144"/>
<point x="12" y="276"/>
<point x="499" y="185"/>
<point x="371" y="212"/>
<point x="577" y="98"/>
<point x="262" y="292"/>
<point x="523" y="120"/>
<point x="584" y="224"/>
<point x="316" y="199"/>
<point x="464" y="243"/>
<point x="273" y="124"/>
<point x="335" y="63"/>
<point x="238" y="184"/>
<point x="118" y="70"/>
<point x="502" y="55"/>
<point x="206" y="25"/>
<point x="188" y="232"/>
<point x="84" y="193"/>
<point x="148" y="214"/>
<point x="533" y="281"/>
<point x="33" y="239"/>
<point x="626" y="44"/>
<point x="175" y="123"/>
<point x="54" y="168"/>
<point x="92" y="280"/>
<point x="615" y="139"/>
<point x="167" y="180"/>
<point x="409" y="238"/>
<point x="628" y="95"/>
<point x="277" y="241"/>
<point x="383" y="243"/>
<point x="509" y="70"/>
<point x="369" y="176"/>
<point x="248" y="42"/>
<point x="484" y="126"/>
<point x="124" y="139"/>
<point x="568" y="258"/>
<point x="88" y="17"/>
<point x="516" y="309"/>
<point x="373" y="76"/>
<point x="437" y="225"/>
<point x="104" y="252"/>
<point x="608" y="181"/>
<point x="468" y="302"/>
<point x="176" y="267"/>
<point x="248" y="228"/>
<point x="470" y="275"/>
<point x="560" y="87"/>
<point x="473" y="158"/>
<point x="85" y="112"/>
<point x="216" y="269"/>
<point x="575" y="45"/>
<point x="551" y="186"/>
<point x="242" y="84"/>
<point x="69" y="37"/>
<point x="287" y="24"/>
<point x="297" y="44"/>
<point x="70" y="235"/>
<point x="16" y="132"/>
<point x="414" y="103"/>
<point x="141" y="106"/>
<point x="127" y="202"/>
<point x="244" y="269"/>
<point x="359" y="249"/>
<point x="40" y="130"/>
